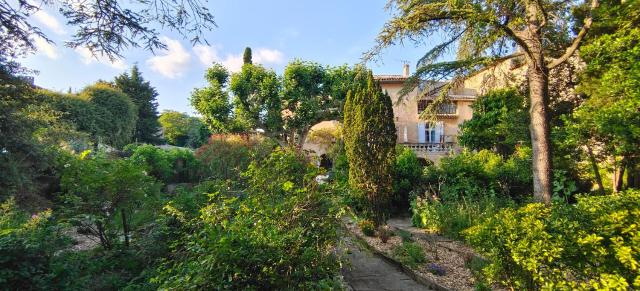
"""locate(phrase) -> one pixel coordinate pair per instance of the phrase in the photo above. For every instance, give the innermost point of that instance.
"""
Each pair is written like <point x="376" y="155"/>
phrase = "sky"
<point x="332" y="32"/>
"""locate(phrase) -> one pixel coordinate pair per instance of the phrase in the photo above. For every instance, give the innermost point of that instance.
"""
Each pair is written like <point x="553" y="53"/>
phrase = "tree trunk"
<point x="618" y="174"/>
<point x="596" y="171"/>
<point x="633" y="177"/>
<point x="125" y="228"/>
<point x="538" y="79"/>
<point x="103" y="238"/>
<point x="540" y="141"/>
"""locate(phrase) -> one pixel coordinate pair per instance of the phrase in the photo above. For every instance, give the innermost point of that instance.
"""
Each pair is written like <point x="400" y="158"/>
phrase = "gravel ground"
<point x="449" y="256"/>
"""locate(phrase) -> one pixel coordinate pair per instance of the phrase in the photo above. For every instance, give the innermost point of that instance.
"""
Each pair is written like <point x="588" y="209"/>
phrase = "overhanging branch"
<point x="578" y="40"/>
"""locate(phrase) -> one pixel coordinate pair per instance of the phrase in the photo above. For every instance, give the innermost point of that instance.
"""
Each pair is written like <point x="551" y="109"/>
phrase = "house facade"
<point x="432" y="139"/>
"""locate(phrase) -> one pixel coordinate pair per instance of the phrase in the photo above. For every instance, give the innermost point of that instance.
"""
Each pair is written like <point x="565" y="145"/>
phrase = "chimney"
<point x="405" y="71"/>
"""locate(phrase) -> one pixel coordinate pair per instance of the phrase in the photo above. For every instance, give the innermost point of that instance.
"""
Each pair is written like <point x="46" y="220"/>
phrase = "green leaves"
<point x="593" y="244"/>
<point x="370" y="139"/>
<point x="500" y="121"/>
<point x="278" y="234"/>
<point x="180" y="129"/>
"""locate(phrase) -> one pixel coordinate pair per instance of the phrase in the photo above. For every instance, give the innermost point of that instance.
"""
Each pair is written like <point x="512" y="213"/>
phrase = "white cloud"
<point x="49" y="21"/>
<point x="173" y="62"/>
<point x="46" y="48"/>
<point x="88" y="58"/>
<point x="268" y="56"/>
<point x="233" y="62"/>
<point x="206" y="54"/>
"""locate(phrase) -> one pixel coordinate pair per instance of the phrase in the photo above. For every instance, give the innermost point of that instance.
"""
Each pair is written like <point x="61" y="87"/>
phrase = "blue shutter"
<point x="421" y="132"/>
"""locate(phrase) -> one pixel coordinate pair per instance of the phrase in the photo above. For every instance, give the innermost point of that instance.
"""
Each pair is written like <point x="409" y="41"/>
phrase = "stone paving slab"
<point x="367" y="271"/>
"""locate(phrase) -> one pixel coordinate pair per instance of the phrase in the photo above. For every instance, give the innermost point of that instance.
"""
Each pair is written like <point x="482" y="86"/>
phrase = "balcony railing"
<point x="442" y="147"/>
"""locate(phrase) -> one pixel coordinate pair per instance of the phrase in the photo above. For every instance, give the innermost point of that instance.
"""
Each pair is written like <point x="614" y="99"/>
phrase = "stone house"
<point x="432" y="140"/>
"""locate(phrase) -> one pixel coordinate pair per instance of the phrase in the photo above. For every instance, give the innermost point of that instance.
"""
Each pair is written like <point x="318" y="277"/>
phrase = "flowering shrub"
<point x="594" y="244"/>
<point x="367" y="227"/>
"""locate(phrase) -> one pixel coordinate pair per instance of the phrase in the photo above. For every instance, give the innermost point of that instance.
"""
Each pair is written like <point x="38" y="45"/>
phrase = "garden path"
<point x="367" y="271"/>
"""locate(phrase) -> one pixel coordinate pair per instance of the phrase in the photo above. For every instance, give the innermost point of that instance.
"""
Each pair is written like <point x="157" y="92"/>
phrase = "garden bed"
<point x="447" y="258"/>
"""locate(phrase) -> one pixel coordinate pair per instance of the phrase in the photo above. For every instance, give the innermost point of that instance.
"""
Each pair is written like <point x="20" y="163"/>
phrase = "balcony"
<point x="422" y="149"/>
<point x="445" y="110"/>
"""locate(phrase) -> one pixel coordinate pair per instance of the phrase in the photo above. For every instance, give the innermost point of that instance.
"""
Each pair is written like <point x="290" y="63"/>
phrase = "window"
<point x="430" y="132"/>
<point x="444" y="108"/>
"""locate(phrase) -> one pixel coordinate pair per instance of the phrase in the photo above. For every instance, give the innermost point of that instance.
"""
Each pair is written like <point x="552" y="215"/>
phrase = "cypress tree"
<point x="370" y="140"/>
<point x="144" y="97"/>
<point x="247" y="56"/>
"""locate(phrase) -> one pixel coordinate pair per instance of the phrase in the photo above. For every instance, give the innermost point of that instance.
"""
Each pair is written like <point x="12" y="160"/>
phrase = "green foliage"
<point x="370" y="139"/>
<point x="27" y="245"/>
<point x="32" y="132"/>
<point x="278" y="234"/>
<point x="180" y="129"/>
<point x="285" y="108"/>
<point x="452" y="218"/>
<point x="592" y="245"/>
<point x="367" y="227"/>
<point x="170" y="166"/>
<point x="105" y="197"/>
<point x="410" y="254"/>
<point x="407" y="177"/>
<point x="246" y="56"/>
<point x="212" y="102"/>
<point x="114" y="114"/>
<point x="257" y="99"/>
<point x="482" y="174"/>
<point x="605" y="126"/>
<point x="500" y="122"/>
<point x="225" y="157"/>
<point x="144" y="97"/>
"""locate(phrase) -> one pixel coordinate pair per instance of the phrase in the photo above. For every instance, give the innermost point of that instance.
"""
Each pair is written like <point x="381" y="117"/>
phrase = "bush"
<point x="384" y="233"/>
<point x="180" y="129"/>
<point x="278" y="233"/>
<point x="367" y="227"/>
<point x="227" y="156"/>
<point x="475" y="175"/>
<point x="451" y="218"/>
<point x="594" y="244"/>
<point x="114" y="114"/>
<point x="107" y="197"/>
<point x="170" y="166"/>
<point x="410" y="254"/>
<point x="27" y="246"/>
<point x="407" y="171"/>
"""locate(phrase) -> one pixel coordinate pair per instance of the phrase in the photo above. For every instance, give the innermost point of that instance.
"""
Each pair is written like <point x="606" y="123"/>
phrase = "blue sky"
<point x="329" y="32"/>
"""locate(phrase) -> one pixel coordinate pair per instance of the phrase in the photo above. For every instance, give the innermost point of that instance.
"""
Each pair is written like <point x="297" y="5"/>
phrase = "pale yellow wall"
<point x="406" y="112"/>
<point x="507" y="74"/>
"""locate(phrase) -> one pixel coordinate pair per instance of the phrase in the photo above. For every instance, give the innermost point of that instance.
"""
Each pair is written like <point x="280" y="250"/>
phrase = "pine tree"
<point x="143" y="96"/>
<point x="370" y="140"/>
<point x="247" y="56"/>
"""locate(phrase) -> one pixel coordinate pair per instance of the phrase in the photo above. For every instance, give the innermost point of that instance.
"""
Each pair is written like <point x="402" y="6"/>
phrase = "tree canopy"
<point x="104" y="27"/>
<point x="284" y="108"/>
<point x="144" y="97"/>
<point x="500" y="122"/>
<point x="180" y="129"/>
